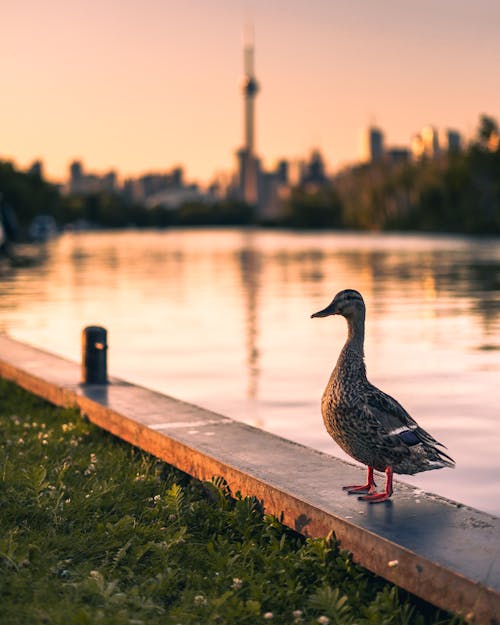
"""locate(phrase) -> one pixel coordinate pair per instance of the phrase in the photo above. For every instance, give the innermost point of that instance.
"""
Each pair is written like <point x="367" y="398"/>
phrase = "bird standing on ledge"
<point x="369" y="425"/>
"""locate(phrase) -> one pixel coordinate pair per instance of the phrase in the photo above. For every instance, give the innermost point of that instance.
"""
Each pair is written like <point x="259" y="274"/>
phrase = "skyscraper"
<point x="372" y="148"/>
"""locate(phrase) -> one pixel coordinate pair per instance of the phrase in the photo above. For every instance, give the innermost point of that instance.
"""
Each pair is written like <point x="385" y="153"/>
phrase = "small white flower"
<point x="323" y="620"/>
<point x="237" y="583"/>
<point x="297" y="613"/>
<point x="199" y="600"/>
<point x="268" y="616"/>
<point x="393" y="563"/>
<point x="156" y="498"/>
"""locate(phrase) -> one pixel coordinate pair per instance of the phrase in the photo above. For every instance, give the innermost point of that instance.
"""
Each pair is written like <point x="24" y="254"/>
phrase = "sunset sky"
<point x="141" y="85"/>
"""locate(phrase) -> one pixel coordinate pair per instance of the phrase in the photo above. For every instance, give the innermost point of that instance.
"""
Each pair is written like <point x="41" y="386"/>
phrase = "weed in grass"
<point x="94" y="531"/>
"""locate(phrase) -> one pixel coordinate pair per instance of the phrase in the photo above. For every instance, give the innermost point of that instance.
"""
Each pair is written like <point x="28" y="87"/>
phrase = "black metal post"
<point x="94" y="355"/>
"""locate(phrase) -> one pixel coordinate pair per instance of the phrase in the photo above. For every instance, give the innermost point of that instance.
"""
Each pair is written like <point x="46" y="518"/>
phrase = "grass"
<point x="94" y="531"/>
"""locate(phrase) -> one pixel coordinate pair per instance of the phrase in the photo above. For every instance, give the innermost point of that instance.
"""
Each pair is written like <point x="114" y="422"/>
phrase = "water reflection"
<point x="249" y="260"/>
<point x="221" y="318"/>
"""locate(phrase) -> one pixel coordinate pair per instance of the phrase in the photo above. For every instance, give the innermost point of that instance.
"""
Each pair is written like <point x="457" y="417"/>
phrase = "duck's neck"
<point x="351" y="361"/>
<point x="356" y="334"/>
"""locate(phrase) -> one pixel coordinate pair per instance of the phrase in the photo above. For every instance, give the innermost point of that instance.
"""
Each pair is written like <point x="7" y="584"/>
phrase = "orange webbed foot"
<point x="365" y="488"/>
<point x="375" y="497"/>
<point x="352" y="490"/>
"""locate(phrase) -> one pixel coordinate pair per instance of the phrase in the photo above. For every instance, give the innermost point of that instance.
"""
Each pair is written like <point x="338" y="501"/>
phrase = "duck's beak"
<point x="331" y="309"/>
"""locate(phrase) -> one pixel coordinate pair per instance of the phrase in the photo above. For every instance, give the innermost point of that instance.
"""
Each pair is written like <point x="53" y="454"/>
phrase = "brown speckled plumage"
<point x="368" y="424"/>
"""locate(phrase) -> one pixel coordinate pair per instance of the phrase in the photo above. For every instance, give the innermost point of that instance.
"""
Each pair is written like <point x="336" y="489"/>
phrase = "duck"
<point x="369" y="425"/>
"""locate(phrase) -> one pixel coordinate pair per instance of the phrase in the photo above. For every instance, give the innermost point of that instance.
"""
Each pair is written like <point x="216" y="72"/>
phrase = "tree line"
<point x="455" y="192"/>
<point x="29" y="195"/>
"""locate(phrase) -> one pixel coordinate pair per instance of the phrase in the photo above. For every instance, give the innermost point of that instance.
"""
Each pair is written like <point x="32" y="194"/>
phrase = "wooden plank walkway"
<point x="440" y="550"/>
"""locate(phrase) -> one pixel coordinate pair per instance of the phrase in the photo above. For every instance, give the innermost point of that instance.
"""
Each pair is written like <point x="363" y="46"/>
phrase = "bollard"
<point x="94" y="355"/>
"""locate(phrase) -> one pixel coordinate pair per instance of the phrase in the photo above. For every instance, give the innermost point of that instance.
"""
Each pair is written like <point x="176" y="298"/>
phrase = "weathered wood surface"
<point x="440" y="550"/>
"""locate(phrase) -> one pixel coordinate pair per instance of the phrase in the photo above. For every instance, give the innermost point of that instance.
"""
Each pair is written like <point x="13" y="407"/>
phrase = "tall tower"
<point x="372" y="145"/>
<point x="249" y="164"/>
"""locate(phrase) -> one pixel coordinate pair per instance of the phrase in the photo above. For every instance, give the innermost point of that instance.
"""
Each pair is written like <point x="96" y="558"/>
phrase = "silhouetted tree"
<point x="313" y="207"/>
<point x="488" y="127"/>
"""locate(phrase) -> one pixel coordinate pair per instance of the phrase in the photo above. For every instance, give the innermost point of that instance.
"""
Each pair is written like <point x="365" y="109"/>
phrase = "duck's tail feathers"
<point x="444" y="460"/>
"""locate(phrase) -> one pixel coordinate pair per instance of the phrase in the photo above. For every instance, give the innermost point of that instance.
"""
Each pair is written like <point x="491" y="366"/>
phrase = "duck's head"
<point x="347" y="303"/>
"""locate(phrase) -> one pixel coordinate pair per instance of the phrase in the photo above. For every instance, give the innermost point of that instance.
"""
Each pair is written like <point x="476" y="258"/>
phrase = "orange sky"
<point x="142" y="85"/>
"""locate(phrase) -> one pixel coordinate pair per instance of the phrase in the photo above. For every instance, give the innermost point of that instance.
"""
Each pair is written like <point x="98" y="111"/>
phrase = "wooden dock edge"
<point x="442" y="551"/>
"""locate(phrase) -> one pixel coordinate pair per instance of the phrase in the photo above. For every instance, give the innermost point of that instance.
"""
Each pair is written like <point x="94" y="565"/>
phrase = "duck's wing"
<point x="392" y="419"/>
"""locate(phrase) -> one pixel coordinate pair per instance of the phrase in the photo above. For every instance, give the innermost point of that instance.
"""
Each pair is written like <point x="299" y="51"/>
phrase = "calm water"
<point x="221" y="318"/>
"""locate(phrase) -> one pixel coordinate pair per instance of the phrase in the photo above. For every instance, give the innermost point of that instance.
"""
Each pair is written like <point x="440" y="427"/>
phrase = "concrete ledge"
<point x="440" y="550"/>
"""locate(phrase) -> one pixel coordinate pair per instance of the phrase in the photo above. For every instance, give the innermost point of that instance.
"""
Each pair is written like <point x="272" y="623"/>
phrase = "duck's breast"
<point x="338" y="407"/>
<point x="343" y="418"/>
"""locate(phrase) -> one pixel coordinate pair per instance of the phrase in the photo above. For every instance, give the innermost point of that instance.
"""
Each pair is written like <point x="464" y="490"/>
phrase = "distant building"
<point x="156" y="185"/>
<point x="314" y="172"/>
<point x="82" y="183"/>
<point x="430" y="139"/>
<point x="283" y="171"/>
<point x="174" y="197"/>
<point x="248" y="176"/>
<point x="248" y="163"/>
<point x="372" y="145"/>
<point x="36" y="169"/>
<point x="430" y="143"/>
<point x="75" y="171"/>
<point x="108" y="182"/>
<point x="252" y="185"/>
<point x="270" y="196"/>
<point x="425" y="143"/>
<point x="450" y="141"/>
<point x="296" y="169"/>
<point x="398" y="155"/>
<point x="274" y="188"/>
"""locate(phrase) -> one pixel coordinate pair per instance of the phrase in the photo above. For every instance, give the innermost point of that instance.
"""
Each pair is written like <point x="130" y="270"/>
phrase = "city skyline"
<point x="429" y="142"/>
<point x="143" y="87"/>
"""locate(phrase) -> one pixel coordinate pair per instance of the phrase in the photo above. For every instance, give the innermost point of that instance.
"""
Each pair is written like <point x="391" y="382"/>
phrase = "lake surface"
<point x="221" y="318"/>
